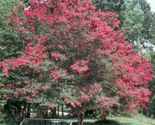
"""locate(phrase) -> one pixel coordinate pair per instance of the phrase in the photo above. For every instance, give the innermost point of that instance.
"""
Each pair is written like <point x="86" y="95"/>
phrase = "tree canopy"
<point x="74" y="53"/>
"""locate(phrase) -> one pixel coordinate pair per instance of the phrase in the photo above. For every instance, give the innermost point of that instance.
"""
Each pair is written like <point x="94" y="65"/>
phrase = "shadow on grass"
<point x="107" y="122"/>
<point x="111" y="122"/>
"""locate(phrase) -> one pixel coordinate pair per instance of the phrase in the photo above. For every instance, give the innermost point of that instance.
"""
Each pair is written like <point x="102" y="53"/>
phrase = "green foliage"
<point x="26" y="2"/>
<point x="5" y="8"/>
<point x="152" y="30"/>
<point x="138" y="25"/>
<point x="132" y="20"/>
<point x="113" y="5"/>
<point x="10" y="46"/>
<point x="10" y="43"/>
<point x="151" y="108"/>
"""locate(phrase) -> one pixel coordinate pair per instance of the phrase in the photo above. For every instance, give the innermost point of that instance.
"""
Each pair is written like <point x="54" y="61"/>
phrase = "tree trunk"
<point x="62" y="110"/>
<point x="81" y="118"/>
<point x="104" y="115"/>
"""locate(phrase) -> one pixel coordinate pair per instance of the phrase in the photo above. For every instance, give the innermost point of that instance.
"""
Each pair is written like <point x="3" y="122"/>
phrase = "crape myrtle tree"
<point x="76" y="54"/>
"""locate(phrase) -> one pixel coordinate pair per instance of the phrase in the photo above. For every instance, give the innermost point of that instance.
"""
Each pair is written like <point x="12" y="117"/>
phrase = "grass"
<point x="121" y="120"/>
<point x="135" y="120"/>
<point x="125" y="120"/>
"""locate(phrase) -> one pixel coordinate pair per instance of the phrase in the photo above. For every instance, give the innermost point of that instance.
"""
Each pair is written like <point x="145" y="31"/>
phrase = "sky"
<point x="152" y="4"/>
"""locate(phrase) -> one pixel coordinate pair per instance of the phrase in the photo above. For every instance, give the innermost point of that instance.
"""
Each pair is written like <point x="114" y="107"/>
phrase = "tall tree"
<point x="71" y="47"/>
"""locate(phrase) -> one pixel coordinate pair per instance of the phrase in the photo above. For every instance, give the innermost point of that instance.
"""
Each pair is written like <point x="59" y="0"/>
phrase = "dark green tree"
<point x="112" y="5"/>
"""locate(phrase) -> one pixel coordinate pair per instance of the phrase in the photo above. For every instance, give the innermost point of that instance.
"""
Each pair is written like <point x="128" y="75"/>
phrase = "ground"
<point x="124" y="120"/>
<point x="135" y="120"/>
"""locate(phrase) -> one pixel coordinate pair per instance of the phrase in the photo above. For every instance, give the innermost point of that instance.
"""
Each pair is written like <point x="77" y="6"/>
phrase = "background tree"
<point x="10" y="46"/>
<point x="152" y="29"/>
<point x="133" y="16"/>
<point x="110" y="5"/>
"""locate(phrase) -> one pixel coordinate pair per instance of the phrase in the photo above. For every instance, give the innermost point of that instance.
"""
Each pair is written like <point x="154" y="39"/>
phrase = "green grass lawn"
<point x="121" y="120"/>
<point x="135" y="120"/>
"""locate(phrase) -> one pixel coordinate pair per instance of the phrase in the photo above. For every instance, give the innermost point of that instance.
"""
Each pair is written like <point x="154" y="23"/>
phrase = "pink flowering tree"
<point x="79" y="53"/>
